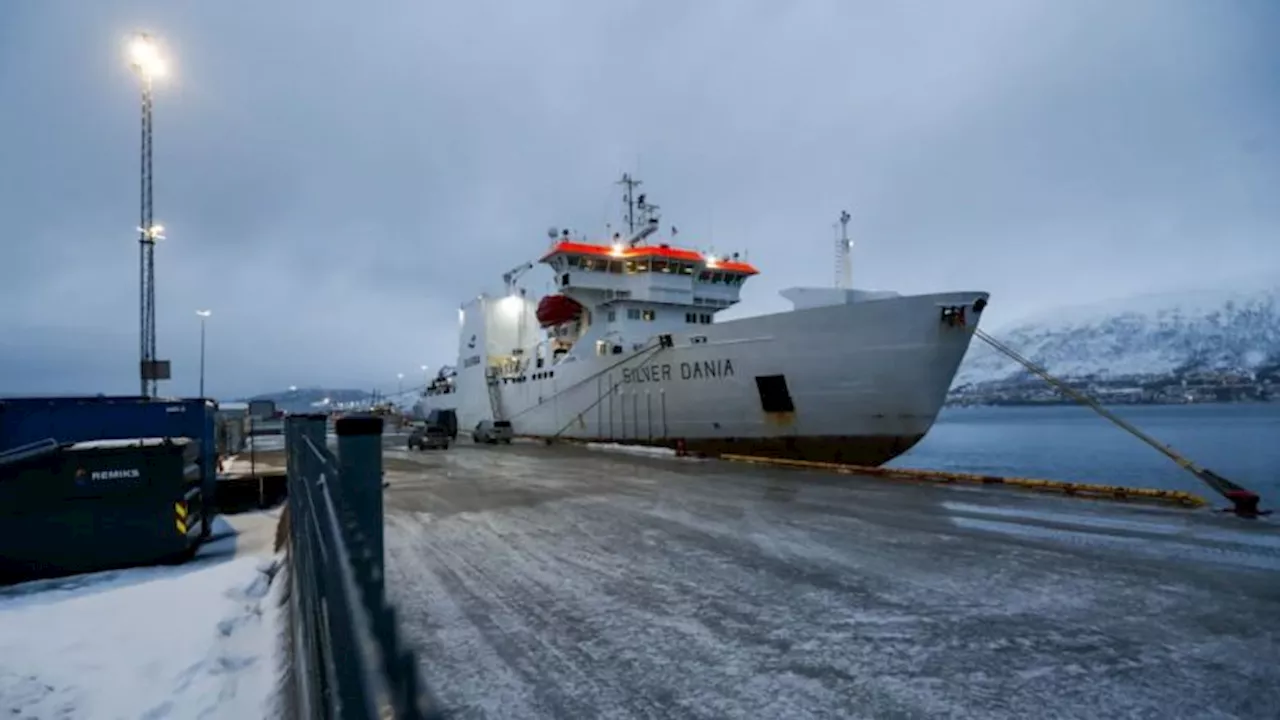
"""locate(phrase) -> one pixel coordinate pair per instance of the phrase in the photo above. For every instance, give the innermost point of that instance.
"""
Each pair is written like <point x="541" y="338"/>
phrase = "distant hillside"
<point x="311" y="399"/>
<point x="1223" y="332"/>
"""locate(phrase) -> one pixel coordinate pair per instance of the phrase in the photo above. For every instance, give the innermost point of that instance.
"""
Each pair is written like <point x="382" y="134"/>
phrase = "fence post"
<point x="308" y="589"/>
<point x="290" y="447"/>
<point x="311" y="426"/>
<point x="360" y="483"/>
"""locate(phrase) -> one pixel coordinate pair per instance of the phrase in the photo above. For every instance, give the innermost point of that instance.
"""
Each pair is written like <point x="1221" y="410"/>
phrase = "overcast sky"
<point x="337" y="177"/>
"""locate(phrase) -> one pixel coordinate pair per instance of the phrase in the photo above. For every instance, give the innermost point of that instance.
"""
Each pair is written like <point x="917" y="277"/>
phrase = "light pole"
<point x="204" y="315"/>
<point x="400" y="387"/>
<point x="144" y="58"/>
<point x="426" y="376"/>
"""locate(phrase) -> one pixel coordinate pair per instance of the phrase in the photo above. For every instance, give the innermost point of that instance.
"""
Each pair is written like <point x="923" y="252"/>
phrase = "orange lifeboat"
<point x="557" y="310"/>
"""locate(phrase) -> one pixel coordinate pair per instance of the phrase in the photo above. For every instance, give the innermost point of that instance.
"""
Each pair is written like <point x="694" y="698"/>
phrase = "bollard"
<point x="360" y="468"/>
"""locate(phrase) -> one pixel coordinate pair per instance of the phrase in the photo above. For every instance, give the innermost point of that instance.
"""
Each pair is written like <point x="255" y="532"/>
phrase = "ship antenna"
<point x="844" y="248"/>
<point x="630" y="199"/>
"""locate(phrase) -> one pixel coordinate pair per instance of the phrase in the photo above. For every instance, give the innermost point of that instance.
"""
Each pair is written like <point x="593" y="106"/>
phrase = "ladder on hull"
<point x="494" y="381"/>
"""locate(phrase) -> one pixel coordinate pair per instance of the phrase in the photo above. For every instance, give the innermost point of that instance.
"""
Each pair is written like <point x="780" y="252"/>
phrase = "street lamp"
<point x="400" y="389"/>
<point x="144" y="58"/>
<point x="204" y="315"/>
<point x="426" y="377"/>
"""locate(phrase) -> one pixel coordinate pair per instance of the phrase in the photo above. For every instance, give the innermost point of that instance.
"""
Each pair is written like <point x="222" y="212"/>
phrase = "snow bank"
<point x="196" y="640"/>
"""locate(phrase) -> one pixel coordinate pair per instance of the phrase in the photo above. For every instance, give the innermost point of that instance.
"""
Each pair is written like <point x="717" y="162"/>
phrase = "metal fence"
<point x="349" y="660"/>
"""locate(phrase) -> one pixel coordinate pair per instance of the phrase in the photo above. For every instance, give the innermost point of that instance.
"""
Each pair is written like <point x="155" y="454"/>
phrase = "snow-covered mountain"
<point x="1224" y="329"/>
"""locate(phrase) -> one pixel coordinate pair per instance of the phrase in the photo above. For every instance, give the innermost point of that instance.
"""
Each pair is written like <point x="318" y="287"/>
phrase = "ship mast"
<point x="640" y="213"/>
<point x="844" y="248"/>
<point x="629" y="198"/>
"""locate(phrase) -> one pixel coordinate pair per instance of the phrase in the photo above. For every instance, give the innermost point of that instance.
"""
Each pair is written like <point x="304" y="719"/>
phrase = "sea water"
<point x="1241" y="442"/>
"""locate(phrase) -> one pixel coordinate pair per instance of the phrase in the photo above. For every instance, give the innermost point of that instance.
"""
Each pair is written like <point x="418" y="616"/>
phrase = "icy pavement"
<point x="196" y="640"/>
<point x="562" y="582"/>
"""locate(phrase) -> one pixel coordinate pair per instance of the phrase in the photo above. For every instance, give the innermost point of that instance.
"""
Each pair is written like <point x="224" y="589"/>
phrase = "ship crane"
<point x="510" y="277"/>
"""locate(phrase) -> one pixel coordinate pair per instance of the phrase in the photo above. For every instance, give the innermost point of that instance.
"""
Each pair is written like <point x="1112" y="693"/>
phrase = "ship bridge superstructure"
<point x="647" y="275"/>
<point x="621" y="293"/>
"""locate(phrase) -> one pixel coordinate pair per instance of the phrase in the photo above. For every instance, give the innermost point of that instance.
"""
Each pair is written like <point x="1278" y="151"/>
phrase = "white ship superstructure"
<point x="629" y="350"/>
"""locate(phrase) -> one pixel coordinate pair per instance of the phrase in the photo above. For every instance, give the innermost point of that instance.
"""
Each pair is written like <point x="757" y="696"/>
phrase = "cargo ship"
<point x="629" y="349"/>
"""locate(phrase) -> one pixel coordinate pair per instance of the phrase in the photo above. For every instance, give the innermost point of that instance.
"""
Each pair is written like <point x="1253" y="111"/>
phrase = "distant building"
<point x="262" y="409"/>
<point x="229" y="430"/>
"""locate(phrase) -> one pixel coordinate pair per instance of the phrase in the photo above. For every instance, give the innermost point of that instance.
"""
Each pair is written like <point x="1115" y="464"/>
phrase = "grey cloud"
<point x="337" y="179"/>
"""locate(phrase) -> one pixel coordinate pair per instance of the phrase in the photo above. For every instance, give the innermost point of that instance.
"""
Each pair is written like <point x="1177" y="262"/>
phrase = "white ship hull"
<point x="865" y="381"/>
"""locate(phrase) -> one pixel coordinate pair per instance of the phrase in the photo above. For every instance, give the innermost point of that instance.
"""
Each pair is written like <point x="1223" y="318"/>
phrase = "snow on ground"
<point x="561" y="583"/>
<point x="269" y="443"/>
<point x="196" y="640"/>
<point x="644" y="450"/>
<point x="633" y="449"/>
<point x="264" y="443"/>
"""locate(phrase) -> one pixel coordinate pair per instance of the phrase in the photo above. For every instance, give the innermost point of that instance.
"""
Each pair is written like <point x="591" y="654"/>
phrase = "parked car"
<point x="429" y="437"/>
<point x="492" y="432"/>
<point x="447" y="419"/>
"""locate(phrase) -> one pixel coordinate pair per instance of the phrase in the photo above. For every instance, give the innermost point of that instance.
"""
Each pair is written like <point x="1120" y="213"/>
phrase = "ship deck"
<point x="567" y="582"/>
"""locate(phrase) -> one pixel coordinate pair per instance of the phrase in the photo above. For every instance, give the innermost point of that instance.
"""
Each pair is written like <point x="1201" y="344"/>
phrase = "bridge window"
<point x="613" y="315"/>
<point x="615" y="266"/>
<point x="633" y="313"/>
<point x="660" y="266"/>
<point x="647" y="315"/>
<point x="705" y="319"/>
<point x="691" y="317"/>
<point x="686" y="269"/>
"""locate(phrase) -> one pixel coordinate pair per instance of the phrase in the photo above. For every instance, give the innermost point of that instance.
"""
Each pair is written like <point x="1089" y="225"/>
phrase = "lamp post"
<point x="144" y="58"/>
<point x="426" y="376"/>
<point x="204" y="315"/>
<point x="400" y="386"/>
